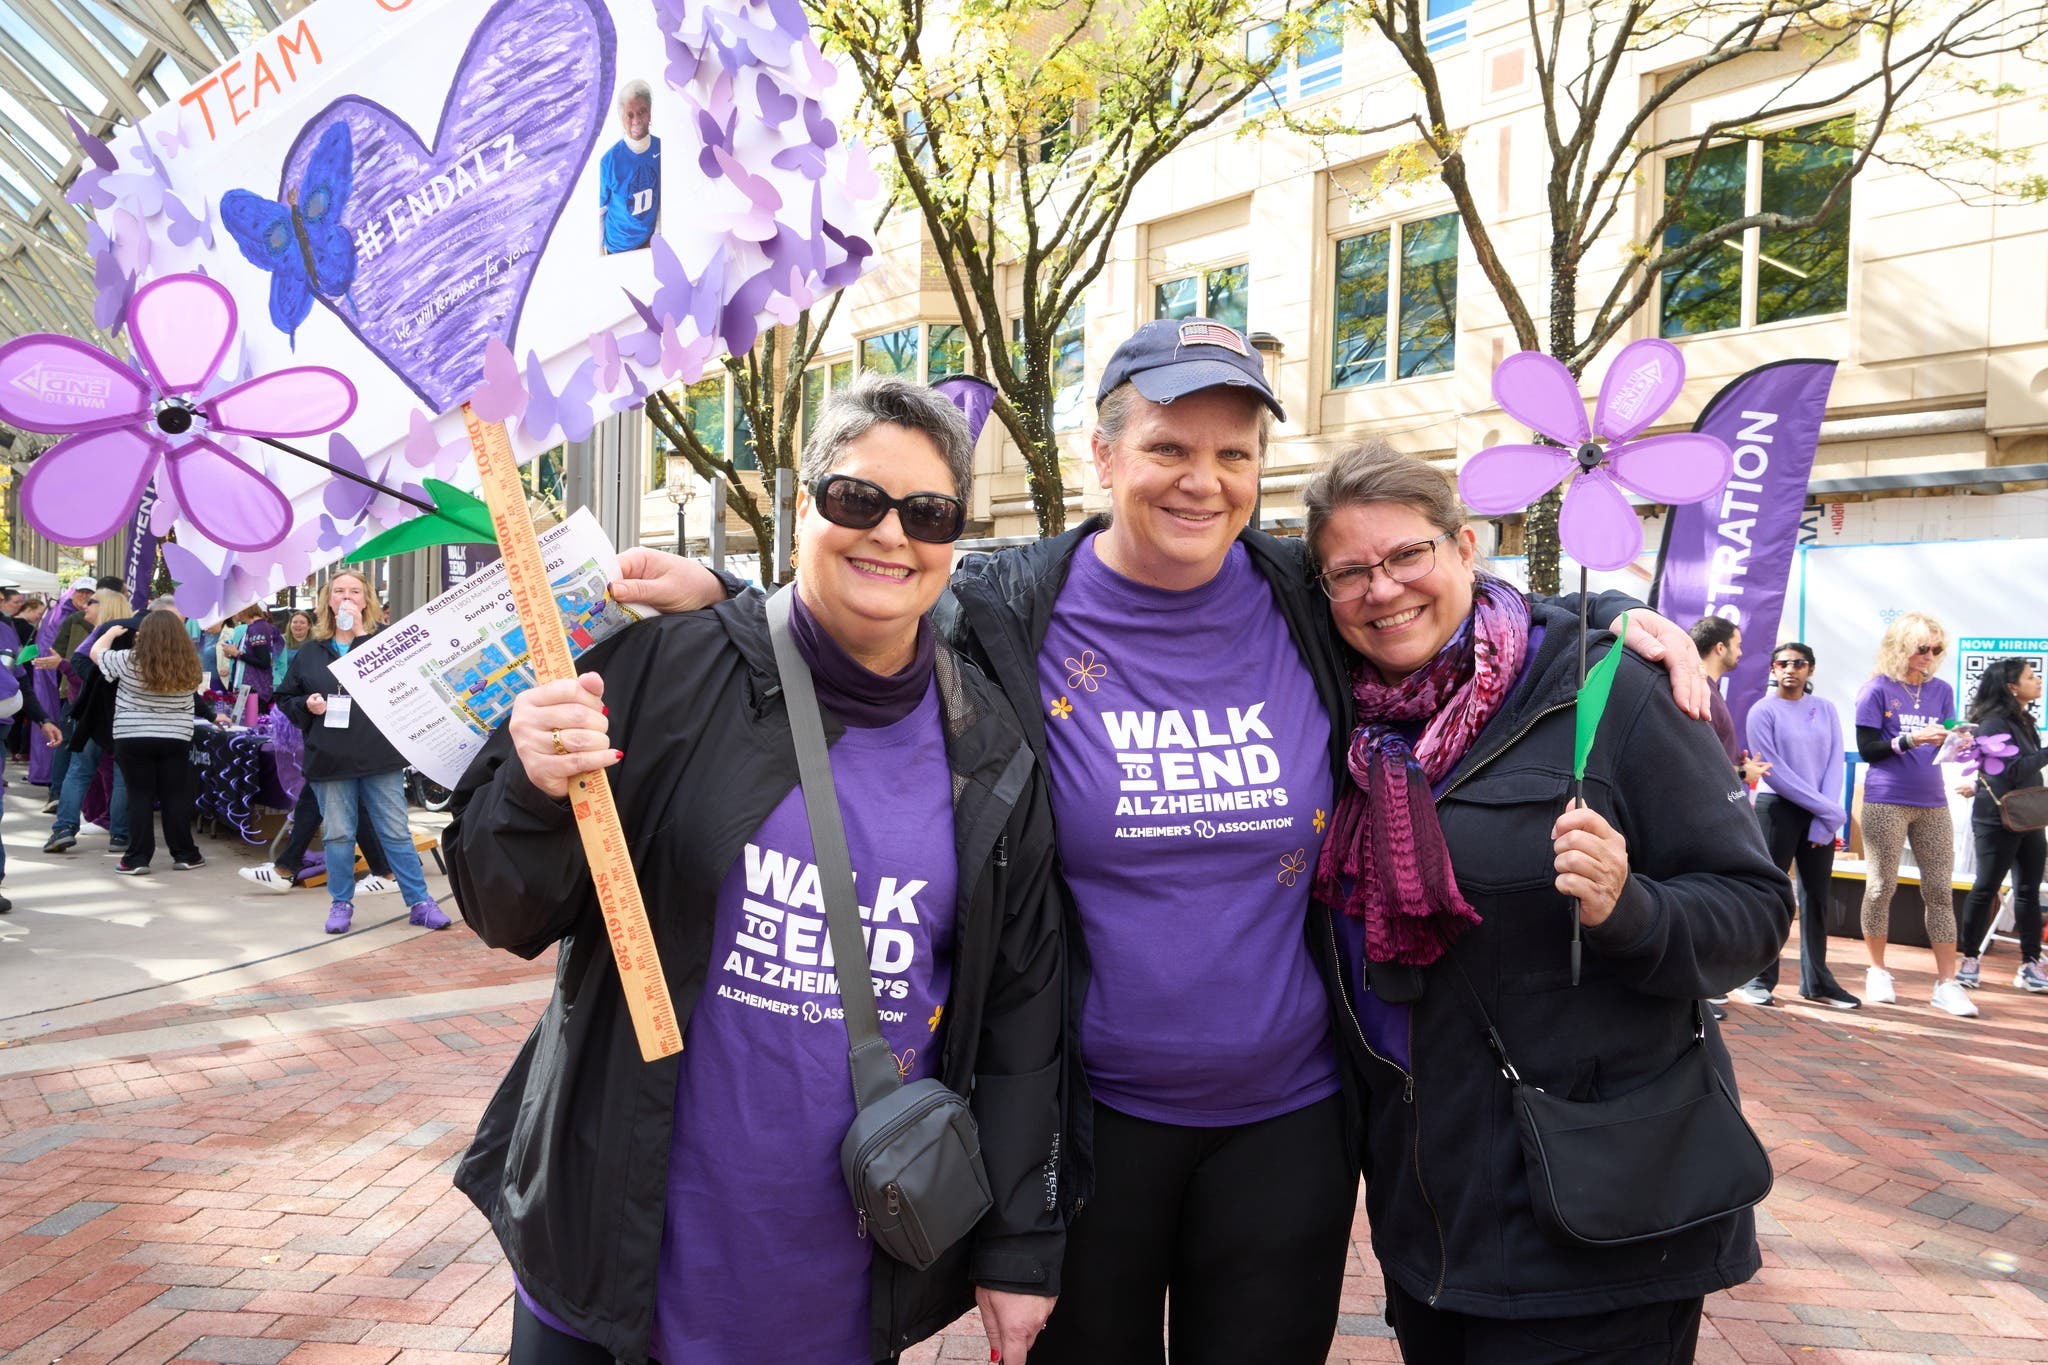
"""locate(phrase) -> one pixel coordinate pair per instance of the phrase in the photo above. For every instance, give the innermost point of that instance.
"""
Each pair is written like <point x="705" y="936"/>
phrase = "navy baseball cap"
<point x="1173" y="357"/>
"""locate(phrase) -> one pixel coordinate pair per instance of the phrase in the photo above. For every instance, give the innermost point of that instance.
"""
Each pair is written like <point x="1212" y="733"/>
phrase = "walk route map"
<point x="438" y="682"/>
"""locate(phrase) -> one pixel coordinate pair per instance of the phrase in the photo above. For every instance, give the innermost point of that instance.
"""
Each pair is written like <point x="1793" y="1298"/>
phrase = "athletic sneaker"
<point x="49" y="807"/>
<point x="338" y="916"/>
<point x="122" y="869"/>
<point x="1968" y="971"/>
<point x="1834" y="995"/>
<point x="117" y="844"/>
<point x="1755" y="993"/>
<point x="58" y="843"/>
<point x="1877" y="987"/>
<point x="427" y="915"/>
<point x="2031" y="978"/>
<point x="374" y="885"/>
<point x="266" y="876"/>
<point x="1950" y="998"/>
<point x="188" y="864"/>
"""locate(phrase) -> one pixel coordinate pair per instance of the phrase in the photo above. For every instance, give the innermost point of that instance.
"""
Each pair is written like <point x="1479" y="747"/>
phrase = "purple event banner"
<point x="1732" y="555"/>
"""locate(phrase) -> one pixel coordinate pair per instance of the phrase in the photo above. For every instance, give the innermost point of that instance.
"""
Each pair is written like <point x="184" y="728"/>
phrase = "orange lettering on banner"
<point x="298" y="42"/>
<point x="393" y="6"/>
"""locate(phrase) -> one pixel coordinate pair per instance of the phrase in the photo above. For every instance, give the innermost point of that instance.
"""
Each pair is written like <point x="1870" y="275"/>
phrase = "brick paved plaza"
<point x="254" y="1167"/>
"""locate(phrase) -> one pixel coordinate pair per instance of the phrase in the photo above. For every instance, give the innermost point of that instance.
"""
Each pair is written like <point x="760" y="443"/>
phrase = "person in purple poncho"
<point x="1902" y="716"/>
<point x="1799" y="735"/>
<point x="691" y="1209"/>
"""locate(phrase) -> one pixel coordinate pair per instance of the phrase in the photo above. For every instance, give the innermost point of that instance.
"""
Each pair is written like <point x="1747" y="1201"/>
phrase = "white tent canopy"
<point x="27" y="577"/>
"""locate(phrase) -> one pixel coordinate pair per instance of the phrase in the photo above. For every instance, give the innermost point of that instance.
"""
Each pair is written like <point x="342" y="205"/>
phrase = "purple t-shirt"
<point x="1894" y="708"/>
<point x="761" y="1258"/>
<point x="1190" y="787"/>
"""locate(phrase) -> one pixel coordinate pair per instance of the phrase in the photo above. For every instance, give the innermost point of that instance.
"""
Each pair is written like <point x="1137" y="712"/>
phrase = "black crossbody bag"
<point x="1671" y="1154"/>
<point x="912" y="1160"/>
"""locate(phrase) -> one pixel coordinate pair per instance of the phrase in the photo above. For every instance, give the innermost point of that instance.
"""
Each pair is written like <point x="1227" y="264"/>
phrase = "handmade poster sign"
<point x="436" y="198"/>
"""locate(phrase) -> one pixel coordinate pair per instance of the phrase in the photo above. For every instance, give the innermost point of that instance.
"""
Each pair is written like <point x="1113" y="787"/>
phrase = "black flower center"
<point x="1589" y="455"/>
<point x="173" y="418"/>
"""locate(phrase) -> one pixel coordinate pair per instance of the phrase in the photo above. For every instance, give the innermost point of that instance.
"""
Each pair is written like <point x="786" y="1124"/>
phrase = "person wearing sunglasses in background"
<point x="1902" y="716"/>
<point x="1177" y="674"/>
<point x="1798" y="736"/>
<point x="738" y="1241"/>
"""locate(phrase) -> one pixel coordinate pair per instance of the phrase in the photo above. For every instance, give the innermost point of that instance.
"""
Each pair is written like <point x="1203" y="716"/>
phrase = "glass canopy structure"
<point x="105" y="63"/>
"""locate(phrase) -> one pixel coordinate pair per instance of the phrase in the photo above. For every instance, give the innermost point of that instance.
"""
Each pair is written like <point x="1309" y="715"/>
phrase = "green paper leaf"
<point x="1592" y="702"/>
<point x="458" y="518"/>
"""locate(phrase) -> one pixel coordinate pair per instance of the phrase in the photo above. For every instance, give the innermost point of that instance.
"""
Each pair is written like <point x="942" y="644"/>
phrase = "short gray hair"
<point x="873" y="399"/>
<point x="1117" y="406"/>
<point x="636" y="90"/>
<point x="1373" y="471"/>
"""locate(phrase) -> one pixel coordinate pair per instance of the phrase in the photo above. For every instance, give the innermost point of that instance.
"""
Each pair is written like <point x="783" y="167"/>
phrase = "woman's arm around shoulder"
<point x="1703" y="908"/>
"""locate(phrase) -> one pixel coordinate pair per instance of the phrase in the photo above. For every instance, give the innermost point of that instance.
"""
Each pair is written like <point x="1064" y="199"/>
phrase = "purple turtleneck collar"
<point x="847" y="688"/>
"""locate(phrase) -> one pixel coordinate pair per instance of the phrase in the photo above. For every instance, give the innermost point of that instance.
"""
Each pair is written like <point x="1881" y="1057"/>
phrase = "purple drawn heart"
<point x="447" y="236"/>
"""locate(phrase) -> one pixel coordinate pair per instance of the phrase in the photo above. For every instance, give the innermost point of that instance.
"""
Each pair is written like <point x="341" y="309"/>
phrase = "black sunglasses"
<point x="843" y="500"/>
<point x="1790" y="663"/>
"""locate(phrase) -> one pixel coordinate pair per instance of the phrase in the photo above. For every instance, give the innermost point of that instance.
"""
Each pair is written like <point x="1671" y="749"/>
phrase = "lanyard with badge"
<point x="339" y="707"/>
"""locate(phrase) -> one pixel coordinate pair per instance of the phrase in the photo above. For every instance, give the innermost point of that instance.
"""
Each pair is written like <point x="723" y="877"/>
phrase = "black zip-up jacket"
<point x="1703" y="910"/>
<point x="2021" y="770"/>
<point x="332" y="752"/>
<point x="570" y="1162"/>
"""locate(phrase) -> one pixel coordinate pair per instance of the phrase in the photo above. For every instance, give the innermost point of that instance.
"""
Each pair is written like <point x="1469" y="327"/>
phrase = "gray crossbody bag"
<point x="912" y="1159"/>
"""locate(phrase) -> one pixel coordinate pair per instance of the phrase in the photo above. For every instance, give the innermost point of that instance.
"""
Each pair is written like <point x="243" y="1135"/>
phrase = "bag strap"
<point x="874" y="1069"/>
<point x="1499" y="1045"/>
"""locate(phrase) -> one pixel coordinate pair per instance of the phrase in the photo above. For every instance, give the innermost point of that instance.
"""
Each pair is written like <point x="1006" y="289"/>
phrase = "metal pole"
<point x="717" y="522"/>
<point x="785" y="521"/>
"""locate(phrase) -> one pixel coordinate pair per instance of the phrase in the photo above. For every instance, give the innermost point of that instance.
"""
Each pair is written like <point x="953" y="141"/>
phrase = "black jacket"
<point x="2021" y="770"/>
<point x="360" y="749"/>
<point x="1704" y="909"/>
<point x="570" y="1160"/>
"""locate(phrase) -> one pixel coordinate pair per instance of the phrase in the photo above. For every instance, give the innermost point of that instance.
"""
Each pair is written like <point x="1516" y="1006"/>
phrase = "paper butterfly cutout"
<point x="301" y="241"/>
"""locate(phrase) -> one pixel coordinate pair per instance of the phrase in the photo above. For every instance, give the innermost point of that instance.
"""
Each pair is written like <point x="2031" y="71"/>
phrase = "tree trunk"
<point x="1539" y="523"/>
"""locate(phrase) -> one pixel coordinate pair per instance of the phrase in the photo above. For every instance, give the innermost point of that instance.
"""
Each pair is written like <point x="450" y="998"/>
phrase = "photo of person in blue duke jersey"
<point x="629" y="176"/>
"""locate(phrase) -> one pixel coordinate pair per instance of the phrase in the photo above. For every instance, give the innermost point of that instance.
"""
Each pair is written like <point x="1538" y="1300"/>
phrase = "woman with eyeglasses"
<point x="1175" y="672"/>
<point x="1800" y="736"/>
<point x="692" y="1209"/>
<point x="1902" y="716"/>
<point x="2005" y="690"/>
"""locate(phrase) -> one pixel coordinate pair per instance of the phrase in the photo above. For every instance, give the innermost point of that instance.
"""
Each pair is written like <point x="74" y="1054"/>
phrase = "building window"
<point x="704" y="406"/>
<point x="948" y="351"/>
<point x="1069" y="354"/>
<point x="818" y="381"/>
<point x="1768" y="275"/>
<point x="1223" y="294"/>
<point x="1444" y="25"/>
<point x="1416" y="304"/>
<point x="891" y="353"/>
<point x="1315" y="67"/>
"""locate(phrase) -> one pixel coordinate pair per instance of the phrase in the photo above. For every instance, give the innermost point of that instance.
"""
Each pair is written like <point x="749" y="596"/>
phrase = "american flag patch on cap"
<point x="1212" y="334"/>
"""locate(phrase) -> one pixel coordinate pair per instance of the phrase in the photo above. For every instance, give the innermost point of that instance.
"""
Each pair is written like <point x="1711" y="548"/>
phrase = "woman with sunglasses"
<point x="1902" y="716"/>
<point x="1799" y="735"/>
<point x="692" y="1209"/>
<point x="2005" y="690"/>
<point x="1176" y="674"/>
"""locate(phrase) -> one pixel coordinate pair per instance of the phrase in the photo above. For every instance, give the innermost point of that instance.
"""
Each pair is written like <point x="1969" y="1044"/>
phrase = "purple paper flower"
<point x="124" y="422"/>
<point x="1987" y="753"/>
<point x="1597" y="526"/>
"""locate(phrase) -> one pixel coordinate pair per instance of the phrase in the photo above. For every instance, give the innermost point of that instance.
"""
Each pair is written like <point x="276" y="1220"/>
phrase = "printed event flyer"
<point x="438" y="682"/>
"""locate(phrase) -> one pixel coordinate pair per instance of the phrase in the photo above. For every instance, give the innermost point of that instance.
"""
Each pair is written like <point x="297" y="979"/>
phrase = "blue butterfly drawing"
<point x="301" y="241"/>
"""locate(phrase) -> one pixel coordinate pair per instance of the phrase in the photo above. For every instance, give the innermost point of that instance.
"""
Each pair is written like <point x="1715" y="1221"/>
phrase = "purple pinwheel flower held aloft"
<point x="124" y="422"/>
<point x="1597" y="527"/>
<point x="1987" y="753"/>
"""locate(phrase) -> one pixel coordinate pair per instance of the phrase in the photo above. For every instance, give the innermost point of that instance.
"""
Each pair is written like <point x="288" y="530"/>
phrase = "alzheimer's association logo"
<point x="70" y="388"/>
<point x="1635" y="389"/>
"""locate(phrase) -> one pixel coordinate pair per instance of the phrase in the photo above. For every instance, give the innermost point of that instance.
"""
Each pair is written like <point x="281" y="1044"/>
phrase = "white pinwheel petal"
<point x="182" y="326"/>
<point x="1540" y="393"/>
<point x="1506" y="478"/>
<point x="302" y="401"/>
<point x="1682" y="467"/>
<point x="1642" y="382"/>
<point x="1597" y="527"/>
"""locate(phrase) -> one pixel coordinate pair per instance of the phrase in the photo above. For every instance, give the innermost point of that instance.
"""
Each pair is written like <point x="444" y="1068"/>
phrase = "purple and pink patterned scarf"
<point x="1385" y="861"/>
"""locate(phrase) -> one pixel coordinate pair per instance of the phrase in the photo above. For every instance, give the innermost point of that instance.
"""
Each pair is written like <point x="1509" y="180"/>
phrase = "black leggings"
<point x="2000" y="851"/>
<point x="1248" y="1226"/>
<point x="1785" y="829"/>
<point x="536" y="1343"/>
<point x="1652" y="1334"/>
<point x="157" y="770"/>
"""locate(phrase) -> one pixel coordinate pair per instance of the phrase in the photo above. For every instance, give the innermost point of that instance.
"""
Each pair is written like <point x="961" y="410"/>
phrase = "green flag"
<point x="458" y="518"/>
<point x="1593" y="699"/>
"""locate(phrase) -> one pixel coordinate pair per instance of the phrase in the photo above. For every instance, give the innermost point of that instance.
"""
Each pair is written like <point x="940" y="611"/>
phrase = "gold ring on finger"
<point x="560" y="748"/>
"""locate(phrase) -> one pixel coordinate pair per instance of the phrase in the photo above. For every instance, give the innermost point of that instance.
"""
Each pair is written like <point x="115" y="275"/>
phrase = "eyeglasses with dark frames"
<point x="843" y="500"/>
<point x="1935" y="651"/>
<point x="1405" y="565"/>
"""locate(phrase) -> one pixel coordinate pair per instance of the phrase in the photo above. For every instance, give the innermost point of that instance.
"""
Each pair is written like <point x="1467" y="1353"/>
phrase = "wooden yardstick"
<point x="597" y="816"/>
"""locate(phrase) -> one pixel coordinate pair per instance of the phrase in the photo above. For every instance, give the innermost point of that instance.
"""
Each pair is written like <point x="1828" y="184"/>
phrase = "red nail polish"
<point x="994" y="1355"/>
<point x="618" y="755"/>
<point x="604" y="710"/>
